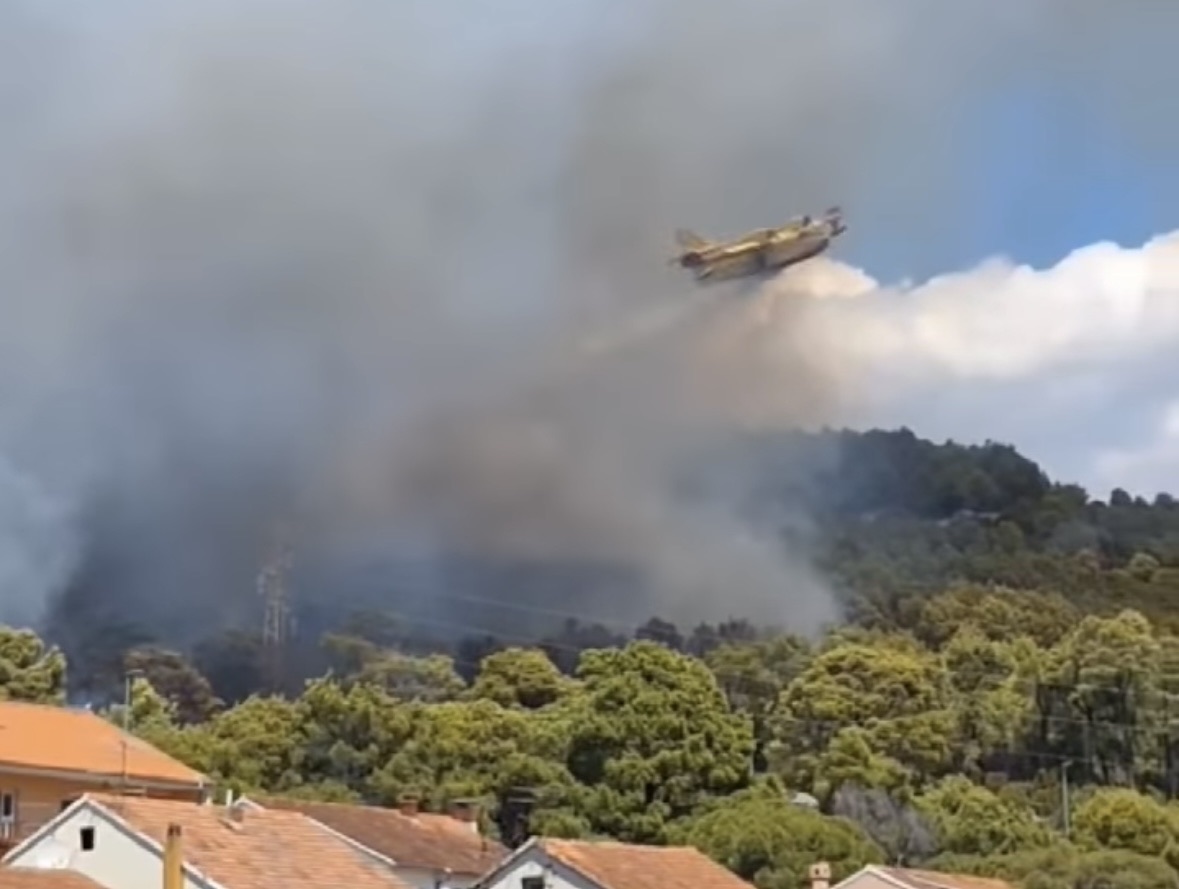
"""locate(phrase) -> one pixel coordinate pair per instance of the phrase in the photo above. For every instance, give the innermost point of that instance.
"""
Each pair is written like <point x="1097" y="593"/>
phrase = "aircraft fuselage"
<point x="745" y="259"/>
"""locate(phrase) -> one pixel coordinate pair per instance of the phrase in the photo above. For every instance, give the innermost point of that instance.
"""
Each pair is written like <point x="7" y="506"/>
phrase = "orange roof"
<point x="30" y="878"/>
<point x="61" y="739"/>
<point x="425" y="840"/>
<point x="928" y="879"/>
<point x="622" y="866"/>
<point x="263" y="850"/>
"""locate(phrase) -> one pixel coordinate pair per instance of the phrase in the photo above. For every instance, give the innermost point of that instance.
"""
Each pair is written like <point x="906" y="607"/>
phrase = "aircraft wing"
<point x="689" y="240"/>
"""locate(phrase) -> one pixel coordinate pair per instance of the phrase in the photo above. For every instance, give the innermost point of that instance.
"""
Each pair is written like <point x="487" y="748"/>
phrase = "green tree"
<point x="1118" y="818"/>
<point x="990" y="693"/>
<point x="767" y="840"/>
<point x="406" y="677"/>
<point x="896" y="695"/>
<point x="479" y="749"/>
<point x="1106" y="677"/>
<point x="652" y="736"/>
<point x="520" y="677"/>
<point x="752" y="675"/>
<point x="409" y="678"/>
<point x="1000" y="614"/>
<point x="30" y="670"/>
<point x="172" y="676"/>
<point x="348" y="733"/>
<point x="149" y="711"/>
<point x="255" y="746"/>
<point x="971" y="820"/>
<point x="1064" y="867"/>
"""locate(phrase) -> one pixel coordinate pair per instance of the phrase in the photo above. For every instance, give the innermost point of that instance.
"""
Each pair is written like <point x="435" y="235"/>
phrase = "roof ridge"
<point x="931" y="877"/>
<point x="944" y="873"/>
<point x="17" y="702"/>
<point x="372" y="807"/>
<point x="613" y="842"/>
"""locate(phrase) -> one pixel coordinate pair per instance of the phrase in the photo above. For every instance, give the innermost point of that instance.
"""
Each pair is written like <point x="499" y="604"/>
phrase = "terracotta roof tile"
<point x="62" y="739"/>
<point x="30" y="878"/>
<point x="425" y="840"/>
<point x="928" y="879"/>
<point x="622" y="866"/>
<point x="264" y="850"/>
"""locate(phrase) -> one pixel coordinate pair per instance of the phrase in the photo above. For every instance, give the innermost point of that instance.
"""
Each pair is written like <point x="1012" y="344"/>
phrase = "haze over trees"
<point x="1005" y="634"/>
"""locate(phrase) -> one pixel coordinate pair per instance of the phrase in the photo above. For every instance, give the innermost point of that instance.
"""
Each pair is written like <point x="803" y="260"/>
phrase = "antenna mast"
<point x="276" y="610"/>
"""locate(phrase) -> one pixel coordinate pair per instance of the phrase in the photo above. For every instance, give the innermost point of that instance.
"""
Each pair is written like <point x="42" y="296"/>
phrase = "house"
<point x="125" y="842"/>
<point x="49" y="756"/>
<point x="426" y="850"/>
<point x="570" y="864"/>
<point x="878" y="877"/>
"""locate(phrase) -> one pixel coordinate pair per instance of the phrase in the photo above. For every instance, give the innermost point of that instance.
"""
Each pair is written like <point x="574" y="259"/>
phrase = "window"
<point x="532" y="883"/>
<point x="7" y="815"/>
<point x="86" y="838"/>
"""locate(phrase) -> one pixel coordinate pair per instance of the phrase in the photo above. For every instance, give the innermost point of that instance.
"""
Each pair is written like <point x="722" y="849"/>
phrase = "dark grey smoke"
<point x="398" y="269"/>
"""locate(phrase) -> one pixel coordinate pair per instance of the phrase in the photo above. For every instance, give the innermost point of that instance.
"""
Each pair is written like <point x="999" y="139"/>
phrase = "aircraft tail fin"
<point x="689" y="240"/>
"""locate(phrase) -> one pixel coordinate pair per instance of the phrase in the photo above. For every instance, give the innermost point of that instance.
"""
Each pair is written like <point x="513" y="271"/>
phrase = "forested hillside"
<point x="1004" y="697"/>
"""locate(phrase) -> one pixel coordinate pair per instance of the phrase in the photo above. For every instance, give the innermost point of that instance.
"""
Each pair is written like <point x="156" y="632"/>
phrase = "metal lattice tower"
<point x="276" y="610"/>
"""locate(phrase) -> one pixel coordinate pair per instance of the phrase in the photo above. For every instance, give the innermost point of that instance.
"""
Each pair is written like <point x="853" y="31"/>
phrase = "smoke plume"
<point x="398" y="271"/>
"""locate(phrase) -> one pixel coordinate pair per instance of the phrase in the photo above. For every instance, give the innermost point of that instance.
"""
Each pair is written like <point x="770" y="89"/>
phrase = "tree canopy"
<point x="767" y="754"/>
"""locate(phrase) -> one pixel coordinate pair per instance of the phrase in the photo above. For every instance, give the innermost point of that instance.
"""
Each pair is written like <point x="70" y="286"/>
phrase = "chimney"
<point x="466" y="811"/>
<point x="237" y="813"/>
<point x="407" y="805"/>
<point x="820" y="875"/>
<point x="173" y="859"/>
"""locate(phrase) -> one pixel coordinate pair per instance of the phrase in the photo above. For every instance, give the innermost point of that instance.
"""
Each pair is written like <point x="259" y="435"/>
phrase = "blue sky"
<point x="1041" y="176"/>
<point x="1051" y="178"/>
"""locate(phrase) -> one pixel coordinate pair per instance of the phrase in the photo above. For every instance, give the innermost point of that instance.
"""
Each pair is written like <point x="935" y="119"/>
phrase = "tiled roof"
<point x="30" y="878"/>
<point x="263" y="850"/>
<point x="424" y="840"/>
<point x="928" y="879"/>
<point x="622" y="866"/>
<point x="62" y="739"/>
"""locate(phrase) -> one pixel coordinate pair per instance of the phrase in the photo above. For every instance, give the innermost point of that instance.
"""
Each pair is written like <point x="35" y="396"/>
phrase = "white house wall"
<point x="461" y="881"/>
<point x="117" y="861"/>
<point x="534" y="863"/>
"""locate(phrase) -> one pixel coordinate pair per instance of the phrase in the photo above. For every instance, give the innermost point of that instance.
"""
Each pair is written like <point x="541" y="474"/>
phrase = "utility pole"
<point x="276" y="613"/>
<point x="1064" y="800"/>
<point x="129" y="678"/>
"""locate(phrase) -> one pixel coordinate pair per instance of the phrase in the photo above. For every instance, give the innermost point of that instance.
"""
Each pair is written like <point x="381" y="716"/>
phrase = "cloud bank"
<point x="1062" y="356"/>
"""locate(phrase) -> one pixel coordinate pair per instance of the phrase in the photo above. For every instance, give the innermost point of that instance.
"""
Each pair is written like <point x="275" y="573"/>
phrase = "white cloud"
<point x="1075" y="363"/>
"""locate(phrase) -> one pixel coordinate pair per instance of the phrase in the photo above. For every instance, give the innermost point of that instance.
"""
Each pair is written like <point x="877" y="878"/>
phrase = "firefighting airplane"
<point x="759" y="253"/>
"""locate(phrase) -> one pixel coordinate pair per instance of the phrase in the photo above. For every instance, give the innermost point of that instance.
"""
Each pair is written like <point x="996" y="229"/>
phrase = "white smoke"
<point x="1009" y="351"/>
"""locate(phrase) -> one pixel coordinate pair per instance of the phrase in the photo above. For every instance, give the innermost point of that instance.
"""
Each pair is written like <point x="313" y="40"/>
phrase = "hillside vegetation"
<point x="1004" y="698"/>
